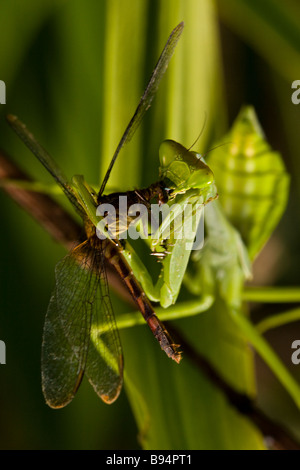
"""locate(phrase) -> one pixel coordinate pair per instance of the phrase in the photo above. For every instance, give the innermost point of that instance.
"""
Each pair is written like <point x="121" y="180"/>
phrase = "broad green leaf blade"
<point x="252" y="181"/>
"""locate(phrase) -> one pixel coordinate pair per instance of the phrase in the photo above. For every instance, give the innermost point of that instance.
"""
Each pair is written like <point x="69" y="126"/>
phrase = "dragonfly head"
<point x="182" y="169"/>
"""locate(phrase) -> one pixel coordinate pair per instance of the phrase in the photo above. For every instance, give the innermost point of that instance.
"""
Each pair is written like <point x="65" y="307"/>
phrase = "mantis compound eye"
<point x="170" y="151"/>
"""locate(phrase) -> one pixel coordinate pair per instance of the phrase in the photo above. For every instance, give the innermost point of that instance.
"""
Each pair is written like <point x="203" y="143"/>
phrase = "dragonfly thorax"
<point x="120" y="209"/>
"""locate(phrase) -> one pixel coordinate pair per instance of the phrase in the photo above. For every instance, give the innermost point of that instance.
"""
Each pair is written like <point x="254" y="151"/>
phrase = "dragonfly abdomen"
<point x="115" y="257"/>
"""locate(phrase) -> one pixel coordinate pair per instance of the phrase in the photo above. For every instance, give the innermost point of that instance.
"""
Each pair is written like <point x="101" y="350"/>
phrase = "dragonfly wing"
<point x="104" y="365"/>
<point x="147" y="97"/>
<point x="61" y="374"/>
<point x="81" y="316"/>
<point x="45" y="158"/>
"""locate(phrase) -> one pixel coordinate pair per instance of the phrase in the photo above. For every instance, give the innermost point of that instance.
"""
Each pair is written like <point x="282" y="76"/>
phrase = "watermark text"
<point x="296" y="94"/>
<point x="2" y="92"/>
<point x="296" y="354"/>
<point x="159" y="222"/>
<point x="2" y="352"/>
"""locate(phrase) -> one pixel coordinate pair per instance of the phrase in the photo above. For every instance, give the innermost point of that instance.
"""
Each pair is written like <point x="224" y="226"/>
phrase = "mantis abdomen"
<point x="252" y="181"/>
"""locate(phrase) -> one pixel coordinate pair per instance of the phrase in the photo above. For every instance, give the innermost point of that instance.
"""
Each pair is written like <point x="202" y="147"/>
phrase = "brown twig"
<point x="65" y="230"/>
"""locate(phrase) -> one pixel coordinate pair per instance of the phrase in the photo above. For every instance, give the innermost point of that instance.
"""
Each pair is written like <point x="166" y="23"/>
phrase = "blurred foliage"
<point x="74" y="73"/>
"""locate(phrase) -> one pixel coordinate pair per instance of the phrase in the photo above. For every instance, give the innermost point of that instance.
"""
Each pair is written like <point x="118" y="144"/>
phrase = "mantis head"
<point x="182" y="169"/>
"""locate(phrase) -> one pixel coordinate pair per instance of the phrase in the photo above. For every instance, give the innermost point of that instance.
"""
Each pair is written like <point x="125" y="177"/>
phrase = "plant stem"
<point x="180" y="310"/>
<point x="278" y="320"/>
<point x="271" y="294"/>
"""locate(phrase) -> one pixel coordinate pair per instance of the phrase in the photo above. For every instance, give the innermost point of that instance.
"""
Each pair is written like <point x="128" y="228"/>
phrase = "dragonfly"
<point x="80" y="333"/>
